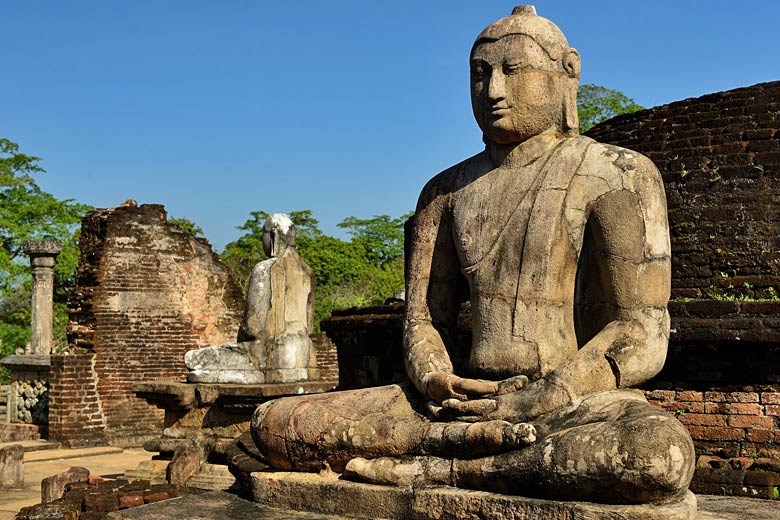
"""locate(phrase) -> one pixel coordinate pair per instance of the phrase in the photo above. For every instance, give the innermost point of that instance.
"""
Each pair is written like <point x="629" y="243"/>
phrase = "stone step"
<point x="58" y="453"/>
<point x="34" y="445"/>
<point x="18" y="432"/>
<point x="216" y="504"/>
<point x="151" y="470"/>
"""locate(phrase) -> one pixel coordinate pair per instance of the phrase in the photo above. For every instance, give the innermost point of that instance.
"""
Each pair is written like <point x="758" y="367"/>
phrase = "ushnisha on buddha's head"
<point x="524" y="79"/>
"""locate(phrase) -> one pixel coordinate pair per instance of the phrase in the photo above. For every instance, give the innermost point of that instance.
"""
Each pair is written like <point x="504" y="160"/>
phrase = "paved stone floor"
<point x="107" y="462"/>
<point x="113" y="462"/>
<point x="218" y="504"/>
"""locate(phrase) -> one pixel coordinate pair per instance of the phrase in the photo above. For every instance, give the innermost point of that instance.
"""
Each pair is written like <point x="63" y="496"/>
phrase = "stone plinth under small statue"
<point x="564" y="246"/>
<point x="273" y="341"/>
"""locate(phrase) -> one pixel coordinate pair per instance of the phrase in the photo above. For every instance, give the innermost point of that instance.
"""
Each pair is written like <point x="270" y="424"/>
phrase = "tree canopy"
<point x="596" y="104"/>
<point x="366" y="270"/>
<point x="27" y="212"/>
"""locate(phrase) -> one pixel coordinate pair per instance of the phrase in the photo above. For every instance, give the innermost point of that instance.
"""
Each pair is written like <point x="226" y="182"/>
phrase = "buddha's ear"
<point x="571" y="62"/>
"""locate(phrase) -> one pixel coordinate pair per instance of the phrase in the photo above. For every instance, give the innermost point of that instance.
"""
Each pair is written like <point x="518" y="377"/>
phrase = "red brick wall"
<point x="75" y="412"/>
<point x="146" y="292"/>
<point x="728" y="424"/>
<point x="719" y="156"/>
<point x="327" y="357"/>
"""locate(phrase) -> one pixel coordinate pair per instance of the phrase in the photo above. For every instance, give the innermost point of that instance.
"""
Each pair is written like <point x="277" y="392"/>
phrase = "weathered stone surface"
<point x="187" y="460"/>
<point x="56" y="511"/>
<point x="564" y="246"/>
<point x="145" y="293"/>
<point x="323" y="494"/>
<point x="53" y="487"/>
<point x="29" y="388"/>
<point x="43" y="254"/>
<point x="274" y="344"/>
<point x="212" y="477"/>
<point x="208" y="506"/>
<point x="11" y="466"/>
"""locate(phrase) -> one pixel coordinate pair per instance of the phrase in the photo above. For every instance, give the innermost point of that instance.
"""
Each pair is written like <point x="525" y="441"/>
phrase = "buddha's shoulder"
<point x="604" y="158"/>
<point x="456" y="177"/>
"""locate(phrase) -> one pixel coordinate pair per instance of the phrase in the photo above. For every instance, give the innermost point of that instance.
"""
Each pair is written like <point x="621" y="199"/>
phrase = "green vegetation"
<point x="596" y="104"/>
<point x="187" y="226"/>
<point x="366" y="270"/>
<point x="27" y="212"/>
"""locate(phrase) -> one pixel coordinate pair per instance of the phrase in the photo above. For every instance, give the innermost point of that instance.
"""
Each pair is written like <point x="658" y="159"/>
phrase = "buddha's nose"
<point x="496" y="86"/>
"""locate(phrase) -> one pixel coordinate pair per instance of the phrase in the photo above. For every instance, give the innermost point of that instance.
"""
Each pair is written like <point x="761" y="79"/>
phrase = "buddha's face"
<point x="516" y="89"/>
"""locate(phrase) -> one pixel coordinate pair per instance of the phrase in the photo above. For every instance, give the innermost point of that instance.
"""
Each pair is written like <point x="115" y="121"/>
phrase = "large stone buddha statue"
<point x="564" y="243"/>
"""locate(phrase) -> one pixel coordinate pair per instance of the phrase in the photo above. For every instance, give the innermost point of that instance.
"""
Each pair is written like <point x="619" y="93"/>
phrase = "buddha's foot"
<point x="401" y="472"/>
<point x="467" y="440"/>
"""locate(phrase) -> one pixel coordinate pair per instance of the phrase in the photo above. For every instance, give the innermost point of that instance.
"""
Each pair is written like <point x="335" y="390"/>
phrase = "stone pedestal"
<point x="331" y="495"/>
<point x="43" y="254"/>
<point x="210" y="416"/>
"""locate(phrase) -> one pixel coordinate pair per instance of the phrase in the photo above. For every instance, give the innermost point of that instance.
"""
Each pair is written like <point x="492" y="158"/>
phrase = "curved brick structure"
<point x="719" y="155"/>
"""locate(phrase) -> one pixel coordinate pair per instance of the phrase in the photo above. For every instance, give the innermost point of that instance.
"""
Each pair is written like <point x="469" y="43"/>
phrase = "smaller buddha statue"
<point x="273" y="339"/>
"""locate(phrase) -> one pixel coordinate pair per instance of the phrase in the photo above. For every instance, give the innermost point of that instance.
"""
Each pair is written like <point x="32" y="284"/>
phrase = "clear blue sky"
<point x="216" y="109"/>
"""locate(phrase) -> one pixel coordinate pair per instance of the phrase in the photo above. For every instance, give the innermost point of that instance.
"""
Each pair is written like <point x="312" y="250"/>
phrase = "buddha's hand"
<point x="441" y="386"/>
<point x="512" y="384"/>
<point x="538" y="398"/>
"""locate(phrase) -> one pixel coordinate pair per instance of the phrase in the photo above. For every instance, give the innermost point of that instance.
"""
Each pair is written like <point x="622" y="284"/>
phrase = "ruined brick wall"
<point x="327" y="357"/>
<point x="75" y="411"/>
<point x="719" y="156"/>
<point x="146" y="292"/>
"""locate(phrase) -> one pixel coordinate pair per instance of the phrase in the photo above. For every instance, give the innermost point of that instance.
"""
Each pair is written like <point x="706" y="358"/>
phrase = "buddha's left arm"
<point x="632" y="252"/>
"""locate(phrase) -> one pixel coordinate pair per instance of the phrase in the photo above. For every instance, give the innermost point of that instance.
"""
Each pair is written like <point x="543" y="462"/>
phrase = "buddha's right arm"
<point x="432" y="287"/>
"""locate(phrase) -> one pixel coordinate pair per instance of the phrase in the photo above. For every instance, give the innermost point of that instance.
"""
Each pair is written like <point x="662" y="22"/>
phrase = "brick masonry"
<point x="146" y="292"/>
<point x="719" y="156"/>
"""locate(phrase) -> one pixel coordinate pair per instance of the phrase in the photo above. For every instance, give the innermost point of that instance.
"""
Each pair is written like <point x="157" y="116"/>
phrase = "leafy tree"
<point x="187" y="226"/>
<point x="381" y="236"/>
<point x="27" y="212"/>
<point x="596" y="104"/>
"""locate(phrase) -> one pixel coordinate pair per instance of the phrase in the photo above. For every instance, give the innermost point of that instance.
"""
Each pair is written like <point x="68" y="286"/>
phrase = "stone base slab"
<point x="329" y="494"/>
<point x="218" y="504"/>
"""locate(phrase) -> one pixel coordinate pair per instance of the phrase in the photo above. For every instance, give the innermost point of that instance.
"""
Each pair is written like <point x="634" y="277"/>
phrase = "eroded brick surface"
<point x="146" y="292"/>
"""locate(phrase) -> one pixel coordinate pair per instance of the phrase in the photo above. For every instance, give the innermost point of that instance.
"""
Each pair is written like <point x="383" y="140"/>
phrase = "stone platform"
<point x="212" y="414"/>
<point x="331" y="495"/>
<point x="208" y="506"/>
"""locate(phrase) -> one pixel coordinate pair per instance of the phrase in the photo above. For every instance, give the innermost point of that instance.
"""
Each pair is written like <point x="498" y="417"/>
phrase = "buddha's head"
<point x="524" y="79"/>
<point x="278" y="234"/>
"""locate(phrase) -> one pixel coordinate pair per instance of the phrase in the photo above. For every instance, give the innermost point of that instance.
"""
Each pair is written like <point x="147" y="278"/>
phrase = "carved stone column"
<point x="43" y="254"/>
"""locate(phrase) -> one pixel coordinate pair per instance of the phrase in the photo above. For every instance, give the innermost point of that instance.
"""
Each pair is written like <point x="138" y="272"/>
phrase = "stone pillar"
<point x="43" y="254"/>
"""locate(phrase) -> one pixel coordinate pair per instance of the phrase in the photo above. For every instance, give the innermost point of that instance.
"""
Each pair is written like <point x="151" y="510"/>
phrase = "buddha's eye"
<point x="479" y="70"/>
<point x="510" y="68"/>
